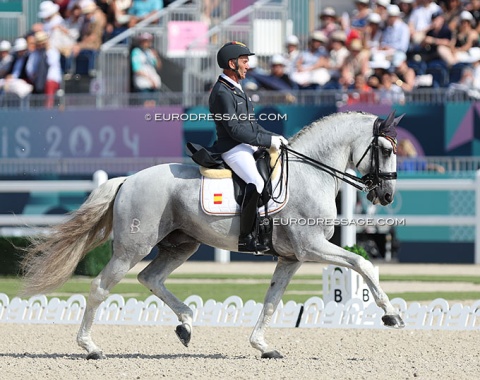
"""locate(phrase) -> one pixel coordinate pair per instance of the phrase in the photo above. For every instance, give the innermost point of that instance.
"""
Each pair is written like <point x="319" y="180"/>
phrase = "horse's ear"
<point x="396" y="121"/>
<point x="390" y="118"/>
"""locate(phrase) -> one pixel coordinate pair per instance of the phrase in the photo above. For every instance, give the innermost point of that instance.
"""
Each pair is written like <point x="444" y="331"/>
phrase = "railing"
<point x="349" y="196"/>
<point x="119" y="99"/>
<point x="81" y="166"/>
<point x="99" y="177"/>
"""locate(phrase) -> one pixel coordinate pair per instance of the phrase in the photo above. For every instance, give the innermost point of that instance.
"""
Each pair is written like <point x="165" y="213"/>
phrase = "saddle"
<point x="212" y="166"/>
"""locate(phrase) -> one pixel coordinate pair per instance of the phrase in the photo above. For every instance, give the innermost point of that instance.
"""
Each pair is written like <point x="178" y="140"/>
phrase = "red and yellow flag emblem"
<point x="217" y="199"/>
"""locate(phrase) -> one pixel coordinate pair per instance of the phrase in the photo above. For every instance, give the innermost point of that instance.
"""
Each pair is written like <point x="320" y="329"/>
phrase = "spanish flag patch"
<point x="217" y="199"/>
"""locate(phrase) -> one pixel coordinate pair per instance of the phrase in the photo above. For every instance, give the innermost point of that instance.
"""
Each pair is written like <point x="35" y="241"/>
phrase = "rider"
<point x="239" y="136"/>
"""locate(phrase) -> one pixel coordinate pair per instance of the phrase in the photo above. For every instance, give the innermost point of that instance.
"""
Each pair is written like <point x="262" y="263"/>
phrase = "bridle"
<point x="373" y="179"/>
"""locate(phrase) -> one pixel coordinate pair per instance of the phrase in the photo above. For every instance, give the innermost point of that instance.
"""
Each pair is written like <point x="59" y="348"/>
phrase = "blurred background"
<point x="73" y="100"/>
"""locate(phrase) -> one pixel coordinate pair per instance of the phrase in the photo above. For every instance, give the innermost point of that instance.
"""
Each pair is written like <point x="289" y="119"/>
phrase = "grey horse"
<point x="160" y="206"/>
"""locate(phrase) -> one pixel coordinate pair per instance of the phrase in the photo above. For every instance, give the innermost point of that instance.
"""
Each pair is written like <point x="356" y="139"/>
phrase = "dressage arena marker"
<point x="438" y="315"/>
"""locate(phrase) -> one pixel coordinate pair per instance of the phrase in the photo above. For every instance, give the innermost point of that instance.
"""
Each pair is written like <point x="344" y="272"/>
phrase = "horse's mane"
<point x="322" y="121"/>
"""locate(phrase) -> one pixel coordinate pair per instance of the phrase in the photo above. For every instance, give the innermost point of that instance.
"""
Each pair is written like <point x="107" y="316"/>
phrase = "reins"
<point x="343" y="176"/>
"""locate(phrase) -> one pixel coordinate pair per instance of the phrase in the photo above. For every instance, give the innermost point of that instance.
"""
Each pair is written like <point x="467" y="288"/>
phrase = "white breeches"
<point x="240" y="159"/>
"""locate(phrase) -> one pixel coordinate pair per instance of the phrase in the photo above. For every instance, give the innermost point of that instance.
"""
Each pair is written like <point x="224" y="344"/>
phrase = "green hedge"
<point x="10" y="257"/>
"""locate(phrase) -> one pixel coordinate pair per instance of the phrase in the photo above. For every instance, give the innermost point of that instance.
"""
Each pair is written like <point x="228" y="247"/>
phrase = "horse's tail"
<point x="51" y="260"/>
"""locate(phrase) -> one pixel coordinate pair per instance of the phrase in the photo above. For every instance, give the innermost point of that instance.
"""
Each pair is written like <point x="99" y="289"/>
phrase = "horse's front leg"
<point x="329" y="253"/>
<point x="284" y="271"/>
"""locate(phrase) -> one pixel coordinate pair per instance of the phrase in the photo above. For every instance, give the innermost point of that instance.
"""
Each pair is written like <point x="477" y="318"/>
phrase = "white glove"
<point x="277" y="141"/>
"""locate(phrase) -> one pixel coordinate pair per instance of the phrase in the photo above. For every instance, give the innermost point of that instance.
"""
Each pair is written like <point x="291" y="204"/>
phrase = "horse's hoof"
<point x="272" y="355"/>
<point x="183" y="334"/>
<point x="393" y="321"/>
<point x="95" y="355"/>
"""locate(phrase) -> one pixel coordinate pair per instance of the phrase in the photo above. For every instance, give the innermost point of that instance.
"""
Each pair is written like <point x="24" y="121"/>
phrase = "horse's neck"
<point x="330" y="142"/>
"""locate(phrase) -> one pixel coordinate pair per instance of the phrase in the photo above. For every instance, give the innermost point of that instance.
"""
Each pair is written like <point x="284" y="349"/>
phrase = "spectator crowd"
<point x="383" y="49"/>
<point x="377" y="52"/>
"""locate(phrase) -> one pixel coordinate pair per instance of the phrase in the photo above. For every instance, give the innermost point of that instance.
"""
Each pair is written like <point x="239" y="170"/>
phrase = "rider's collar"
<point x="231" y="82"/>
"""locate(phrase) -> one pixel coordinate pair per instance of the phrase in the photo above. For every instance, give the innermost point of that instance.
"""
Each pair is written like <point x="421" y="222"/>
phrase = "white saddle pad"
<point x="218" y="198"/>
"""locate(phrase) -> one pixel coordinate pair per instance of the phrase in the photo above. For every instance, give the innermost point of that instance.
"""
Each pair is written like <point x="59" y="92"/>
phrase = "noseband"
<point x="374" y="178"/>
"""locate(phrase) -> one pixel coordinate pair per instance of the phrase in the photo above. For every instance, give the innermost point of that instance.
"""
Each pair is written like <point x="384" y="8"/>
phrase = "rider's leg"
<point x="240" y="159"/>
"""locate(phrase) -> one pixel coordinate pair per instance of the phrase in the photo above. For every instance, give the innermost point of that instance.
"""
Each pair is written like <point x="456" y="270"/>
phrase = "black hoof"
<point x="95" y="356"/>
<point x="272" y="355"/>
<point x="393" y="321"/>
<point x="183" y="334"/>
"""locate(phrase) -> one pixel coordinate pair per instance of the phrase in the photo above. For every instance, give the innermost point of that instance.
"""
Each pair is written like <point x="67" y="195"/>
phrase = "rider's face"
<point x="242" y="66"/>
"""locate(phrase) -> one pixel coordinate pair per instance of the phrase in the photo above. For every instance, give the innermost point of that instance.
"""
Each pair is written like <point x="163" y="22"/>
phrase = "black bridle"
<point x="373" y="179"/>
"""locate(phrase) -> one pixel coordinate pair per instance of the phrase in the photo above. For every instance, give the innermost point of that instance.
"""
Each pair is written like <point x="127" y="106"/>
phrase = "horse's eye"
<point x="386" y="152"/>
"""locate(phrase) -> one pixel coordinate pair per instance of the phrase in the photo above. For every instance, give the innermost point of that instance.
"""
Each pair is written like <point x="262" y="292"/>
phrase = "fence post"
<point x="100" y="177"/>
<point x="222" y="256"/>
<point x="476" y="259"/>
<point x="349" y="199"/>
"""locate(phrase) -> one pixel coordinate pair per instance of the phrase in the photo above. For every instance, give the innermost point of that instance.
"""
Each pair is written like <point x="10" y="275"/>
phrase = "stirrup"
<point x="250" y="243"/>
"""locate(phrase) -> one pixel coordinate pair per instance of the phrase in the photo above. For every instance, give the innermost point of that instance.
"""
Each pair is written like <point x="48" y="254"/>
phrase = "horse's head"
<point x="378" y="161"/>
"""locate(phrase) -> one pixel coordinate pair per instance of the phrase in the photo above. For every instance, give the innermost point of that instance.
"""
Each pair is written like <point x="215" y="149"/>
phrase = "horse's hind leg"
<point x="114" y="271"/>
<point x="169" y="258"/>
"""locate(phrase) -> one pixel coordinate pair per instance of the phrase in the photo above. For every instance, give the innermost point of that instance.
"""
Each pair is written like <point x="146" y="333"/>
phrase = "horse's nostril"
<point x="388" y="197"/>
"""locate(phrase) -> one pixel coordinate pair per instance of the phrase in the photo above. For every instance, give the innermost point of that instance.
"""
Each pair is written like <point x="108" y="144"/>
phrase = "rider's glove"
<point x="277" y="141"/>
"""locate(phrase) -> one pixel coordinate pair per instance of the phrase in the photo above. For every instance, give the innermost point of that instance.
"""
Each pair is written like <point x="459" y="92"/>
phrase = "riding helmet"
<point x="231" y="50"/>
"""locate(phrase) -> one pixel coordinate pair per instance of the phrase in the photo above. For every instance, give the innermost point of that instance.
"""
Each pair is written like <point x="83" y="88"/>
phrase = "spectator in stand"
<point x="464" y="39"/>
<point x="396" y="36"/>
<point x="5" y="58"/>
<point x="436" y="44"/>
<point x="389" y="91"/>
<point x="360" y="92"/>
<point x="146" y="64"/>
<point x="356" y="63"/>
<point x="373" y="33"/>
<point x="419" y="22"/>
<point x="91" y="36"/>
<point x="381" y="8"/>
<point x="43" y="68"/>
<point x="20" y="58"/>
<point x="49" y="13"/>
<point x="406" y="7"/>
<point x="338" y="56"/>
<point x="141" y="9"/>
<point x="312" y="64"/>
<point x="292" y="53"/>
<point x="452" y="9"/>
<point x="403" y="75"/>
<point x="360" y="15"/>
<point x="56" y="27"/>
<point x="408" y="159"/>
<point x="118" y="17"/>
<point x="474" y="8"/>
<point x="329" y="21"/>
<point x="278" y="75"/>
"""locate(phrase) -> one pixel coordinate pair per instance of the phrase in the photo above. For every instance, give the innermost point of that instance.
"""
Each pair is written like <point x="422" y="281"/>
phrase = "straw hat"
<point x="41" y="37"/>
<point x="318" y="36"/>
<point x="88" y="6"/>
<point x="47" y="9"/>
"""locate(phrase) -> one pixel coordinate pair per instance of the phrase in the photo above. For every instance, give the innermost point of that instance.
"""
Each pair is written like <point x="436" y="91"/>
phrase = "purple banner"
<point x="130" y="132"/>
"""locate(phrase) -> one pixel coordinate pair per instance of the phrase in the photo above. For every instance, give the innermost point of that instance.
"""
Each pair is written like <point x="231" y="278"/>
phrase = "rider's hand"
<point x="277" y="141"/>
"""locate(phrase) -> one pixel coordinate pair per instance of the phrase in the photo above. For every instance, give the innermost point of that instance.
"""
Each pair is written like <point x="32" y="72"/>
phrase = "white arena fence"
<point x="99" y="177"/>
<point x="234" y="312"/>
<point x="349" y="197"/>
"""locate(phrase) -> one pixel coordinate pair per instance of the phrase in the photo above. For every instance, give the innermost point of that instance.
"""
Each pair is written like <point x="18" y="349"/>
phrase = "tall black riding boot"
<point x="248" y="239"/>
